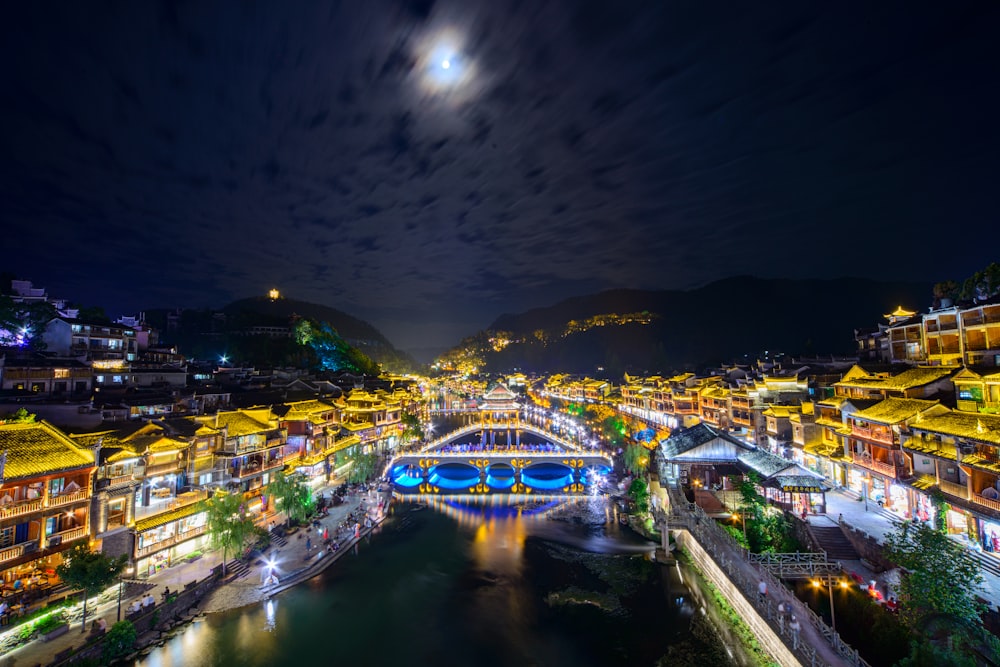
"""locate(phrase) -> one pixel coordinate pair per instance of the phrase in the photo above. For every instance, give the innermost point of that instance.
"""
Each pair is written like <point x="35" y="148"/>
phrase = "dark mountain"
<point x="263" y="311"/>
<point x="661" y="331"/>
<point x="210" y="333"/>
<point x="283" y="312"/>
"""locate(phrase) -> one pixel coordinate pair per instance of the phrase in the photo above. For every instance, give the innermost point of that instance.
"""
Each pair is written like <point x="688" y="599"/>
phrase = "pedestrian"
<point x="795" y="627"/>
<point x="762" y="590"/>
<point x="326" y="534"/>
<point x="781" y="616"/>
<point x="309" y="544"/>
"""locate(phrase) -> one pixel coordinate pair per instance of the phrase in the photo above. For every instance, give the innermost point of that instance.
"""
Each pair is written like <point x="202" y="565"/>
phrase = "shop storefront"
<point x="163" y="540"/>
<point x="898" y="500"/>
<point x="961" y="524"/>
<point x="924" y="508"/>
<point x="990" y="532"/>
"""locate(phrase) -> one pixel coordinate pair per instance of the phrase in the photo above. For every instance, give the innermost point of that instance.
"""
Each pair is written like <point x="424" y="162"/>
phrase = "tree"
<point x="22" y="416"/>
<point x="119" y="641"/>
<point x="939" y="577"/>
<point x="89" y="571"/>
<point x="332" y="351"/>
<point x="292" y="496"/>
<point x="362" y="467"/>
<point x="638" y="491"/>
<point x="227" y="523"/>
<point x="412" y="428"/>
<point x="22" y="324"/>
<point x="636" y="459"/>
<point x="614" y="431"/>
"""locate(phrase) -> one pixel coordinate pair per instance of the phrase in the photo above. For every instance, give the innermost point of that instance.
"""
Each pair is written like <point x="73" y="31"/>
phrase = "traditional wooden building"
<point x="45" y="490"/>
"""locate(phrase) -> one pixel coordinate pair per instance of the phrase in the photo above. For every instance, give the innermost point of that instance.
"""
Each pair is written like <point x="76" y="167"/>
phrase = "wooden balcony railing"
<point x="20" y="508"/>
<point x="957" y="490"/>
<point x="169" y="541"/>
<point x="878" y="435"/>
<point x="67" y="498"/>
<point x="65" y="536"/>
<point x="119" y="480"/>
<point x="886" y="469"/>
<point x="986" y="502"/>
<point x="10" y="553"/>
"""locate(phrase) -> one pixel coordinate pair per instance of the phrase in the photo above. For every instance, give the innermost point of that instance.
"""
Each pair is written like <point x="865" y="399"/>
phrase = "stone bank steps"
<point x="833" y="541"/>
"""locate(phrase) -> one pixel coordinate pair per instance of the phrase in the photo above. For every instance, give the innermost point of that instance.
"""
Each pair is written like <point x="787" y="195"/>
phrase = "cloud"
<point x="190" y="153"/>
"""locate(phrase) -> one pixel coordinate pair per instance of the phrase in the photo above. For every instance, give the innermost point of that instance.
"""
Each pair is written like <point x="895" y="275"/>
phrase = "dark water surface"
<point x="451" y="584"/>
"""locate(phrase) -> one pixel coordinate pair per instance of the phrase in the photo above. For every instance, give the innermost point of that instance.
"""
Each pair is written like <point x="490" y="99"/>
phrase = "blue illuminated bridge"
<point x="457" y="464"/>
<point x="499" y="453"/>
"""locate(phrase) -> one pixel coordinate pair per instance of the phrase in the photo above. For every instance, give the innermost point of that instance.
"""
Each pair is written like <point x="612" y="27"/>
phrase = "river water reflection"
<point x="454" y="584"/>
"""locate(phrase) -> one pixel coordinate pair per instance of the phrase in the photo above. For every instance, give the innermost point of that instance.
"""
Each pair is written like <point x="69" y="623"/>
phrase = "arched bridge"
<point x="499" y="457"/>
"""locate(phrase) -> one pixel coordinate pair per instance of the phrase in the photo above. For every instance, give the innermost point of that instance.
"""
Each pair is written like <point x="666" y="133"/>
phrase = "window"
<point x="6" y="536"/>
<point x="37" y="387"/>
<point x="100" y="379"/>
<point x="56" y="486"/>
<point x="116" y="513"/>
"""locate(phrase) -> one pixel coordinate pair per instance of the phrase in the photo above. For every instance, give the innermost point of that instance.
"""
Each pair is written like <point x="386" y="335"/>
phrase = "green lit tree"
<point x="332" y="351"/>
<point x="638" y="491"/>
<point x="22" y="416"/>
<point x="614" y="430"/>
<point x="292" y="496"/>
<point x="636" y="459"/>
<point x="228" y="525"/>
<point x="89" y="571"/>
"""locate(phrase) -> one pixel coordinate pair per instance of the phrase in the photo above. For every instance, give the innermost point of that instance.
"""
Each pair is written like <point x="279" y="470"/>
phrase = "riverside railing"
<point x="735" y="562"/>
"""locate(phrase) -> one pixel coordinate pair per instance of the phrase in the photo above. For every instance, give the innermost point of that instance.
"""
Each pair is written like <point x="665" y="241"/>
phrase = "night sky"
<point x="190" y="153"/>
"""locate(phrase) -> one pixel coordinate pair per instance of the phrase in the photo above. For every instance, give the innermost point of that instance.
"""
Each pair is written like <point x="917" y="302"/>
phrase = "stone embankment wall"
<point x="765" y="635"/>
<point x="163" y="616"/>
<point x="868" y="548"/>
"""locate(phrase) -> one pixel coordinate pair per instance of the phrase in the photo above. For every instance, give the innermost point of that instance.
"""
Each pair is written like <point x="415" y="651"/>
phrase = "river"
<point x="453" y="584"/>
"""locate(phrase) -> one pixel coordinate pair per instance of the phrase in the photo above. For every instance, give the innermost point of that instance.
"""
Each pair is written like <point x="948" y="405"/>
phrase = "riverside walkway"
<point x="294" y="564"/>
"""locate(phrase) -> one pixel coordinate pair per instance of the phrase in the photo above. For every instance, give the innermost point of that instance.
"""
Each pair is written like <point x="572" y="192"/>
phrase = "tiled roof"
<point x="39" y="448"/>
<point x="168" y="516"/>
<point x="358" y="427"/>
<point x="914" y="377"/>
<point x="764" y="463"/>
<point x="684" y="440"/>
<point x="240" y="423"/>
<point x="967" y="425"/>
<point x="895" y="410"/>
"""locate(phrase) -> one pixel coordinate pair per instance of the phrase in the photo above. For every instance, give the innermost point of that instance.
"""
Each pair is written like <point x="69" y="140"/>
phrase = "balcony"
<point x="169" y="541"/>
<point x="986" y="502"/>
<point x="15" y="552"/>
<point x="55" y="539"/>
<point x="953" y="489"/>
<point x="866" y="461"/>
<point x="119" y="480"/>
<point x="162" y="469"/>
<point x="877" y="435"/>
<point x="68" y="498"/>
<point x="20" y="508"/>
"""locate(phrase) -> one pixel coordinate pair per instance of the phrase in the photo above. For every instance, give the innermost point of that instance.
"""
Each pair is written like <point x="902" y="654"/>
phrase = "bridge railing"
<point x="746" y="575"/>
<point x="469" y="429"/>
<point x="502" y="453"/>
